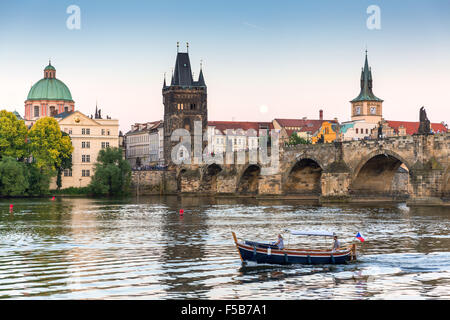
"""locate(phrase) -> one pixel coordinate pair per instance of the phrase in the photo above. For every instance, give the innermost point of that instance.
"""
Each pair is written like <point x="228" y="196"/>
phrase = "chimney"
<point x="321" y="114"/>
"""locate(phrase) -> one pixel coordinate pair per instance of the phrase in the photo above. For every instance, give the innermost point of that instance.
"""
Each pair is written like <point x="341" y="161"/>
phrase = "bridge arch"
<point x="209" y="177"/>
<point x="381" y="173"/>
<point x="303" y="177"/>
<point x="248" y="181"/>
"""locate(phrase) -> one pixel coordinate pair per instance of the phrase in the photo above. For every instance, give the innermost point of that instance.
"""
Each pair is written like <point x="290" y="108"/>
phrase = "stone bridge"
<point x="413" y="168"/>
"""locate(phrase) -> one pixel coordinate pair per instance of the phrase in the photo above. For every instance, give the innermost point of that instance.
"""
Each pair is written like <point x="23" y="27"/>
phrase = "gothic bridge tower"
<point x="185" y="101"/>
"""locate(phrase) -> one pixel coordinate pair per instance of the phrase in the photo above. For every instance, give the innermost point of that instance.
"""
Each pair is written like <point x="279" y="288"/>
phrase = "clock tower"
<point x="366" y="106"/>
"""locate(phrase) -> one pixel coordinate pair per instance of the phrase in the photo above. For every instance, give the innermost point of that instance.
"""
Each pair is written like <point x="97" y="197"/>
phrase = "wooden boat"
<point x="267" y="253"/>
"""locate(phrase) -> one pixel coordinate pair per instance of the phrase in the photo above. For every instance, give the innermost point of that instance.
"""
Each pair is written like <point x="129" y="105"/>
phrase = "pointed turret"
<point x="201" y="79"/>
<point x="366" y="93"/>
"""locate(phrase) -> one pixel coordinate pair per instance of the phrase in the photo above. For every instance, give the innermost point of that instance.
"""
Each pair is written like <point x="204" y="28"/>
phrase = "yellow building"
<point x="327" y="131"/>
<point x="88" y="137"/>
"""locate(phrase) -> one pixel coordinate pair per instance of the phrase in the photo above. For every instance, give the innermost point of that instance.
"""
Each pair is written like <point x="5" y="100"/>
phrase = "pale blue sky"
<point x="294" y="57"/>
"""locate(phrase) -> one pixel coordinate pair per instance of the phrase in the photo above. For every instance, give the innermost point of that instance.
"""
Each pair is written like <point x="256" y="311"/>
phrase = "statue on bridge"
<point x="380" y="131"/>
<point x="425" y="126"/>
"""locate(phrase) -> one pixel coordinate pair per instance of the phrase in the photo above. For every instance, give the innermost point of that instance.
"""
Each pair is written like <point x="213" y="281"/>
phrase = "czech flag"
<point x="359" y="237"/>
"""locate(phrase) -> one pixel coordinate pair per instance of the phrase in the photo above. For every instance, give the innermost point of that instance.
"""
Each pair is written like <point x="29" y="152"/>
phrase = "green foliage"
<point x="22" y="179"/>
<point x="66" y="163"/>
<point x="13" y="177"/>
<point x="39" y="181"/>
<point x="13" y="136"/>
<point x="48" y="146"/>
<point x="112" y="173"/>
<point x="294" y="139"/>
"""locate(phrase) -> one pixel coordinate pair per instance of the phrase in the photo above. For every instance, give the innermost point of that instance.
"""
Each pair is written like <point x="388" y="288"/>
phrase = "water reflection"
<point x="141" y="248"/>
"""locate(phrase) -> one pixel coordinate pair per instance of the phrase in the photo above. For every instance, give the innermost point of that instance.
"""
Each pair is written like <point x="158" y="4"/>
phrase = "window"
<point x="85" y="158"/>
<point x="67" y="172"/>
<point x="105" y="145"/>
<point x="85" y="144"/>
<point x="36" y="111"/>
<point x="66" y="109"/>
<point x="373" y="110"/>
<point x="358" y="110"/>
<point x="367" y="131"/>
<point x="356" y="130"/>
<point x="107" y="132"/>
<point x="85" y="131"/>
<point x="86" y="173"/>
<point x="103" y="132"/>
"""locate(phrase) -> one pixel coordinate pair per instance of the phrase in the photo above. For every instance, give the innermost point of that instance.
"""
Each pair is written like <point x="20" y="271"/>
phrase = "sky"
<point x="261" y="59"/>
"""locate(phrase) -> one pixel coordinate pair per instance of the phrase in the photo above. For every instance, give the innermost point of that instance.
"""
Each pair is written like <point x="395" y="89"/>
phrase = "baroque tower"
<point x="366" y="106"/>
<point x="185" y="102"/>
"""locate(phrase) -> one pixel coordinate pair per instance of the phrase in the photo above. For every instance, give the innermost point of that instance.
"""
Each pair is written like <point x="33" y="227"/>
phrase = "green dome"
<point x="49" y="89"/>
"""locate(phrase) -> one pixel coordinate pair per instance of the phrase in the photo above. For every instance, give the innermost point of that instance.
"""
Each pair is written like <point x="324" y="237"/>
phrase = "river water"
<point x="76" y="248"/>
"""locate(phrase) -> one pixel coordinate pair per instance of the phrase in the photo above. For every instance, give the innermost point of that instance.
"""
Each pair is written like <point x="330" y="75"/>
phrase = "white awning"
<point x="311" y="233"/>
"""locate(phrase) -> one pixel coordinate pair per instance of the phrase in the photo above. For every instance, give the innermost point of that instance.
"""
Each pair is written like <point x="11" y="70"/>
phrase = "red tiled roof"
<point x="305" y="125"/>
<point x="412" y="127"/>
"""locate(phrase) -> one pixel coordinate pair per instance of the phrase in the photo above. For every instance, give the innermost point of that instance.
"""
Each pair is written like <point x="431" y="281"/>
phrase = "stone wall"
<point x="153" y="182"/>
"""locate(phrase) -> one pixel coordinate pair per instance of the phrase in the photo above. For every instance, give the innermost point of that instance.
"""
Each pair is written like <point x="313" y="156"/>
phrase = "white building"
<point x="144" y="144"/>
<point x="356" y="130"/>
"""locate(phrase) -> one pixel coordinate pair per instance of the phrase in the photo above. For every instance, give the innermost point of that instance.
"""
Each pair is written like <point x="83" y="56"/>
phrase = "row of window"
<point x="237" y="141"/>
<point x="84" y="173"/>
<point x="87" y="145"/>
<point x="52" y="109"/>
<point x="361" y="131"/>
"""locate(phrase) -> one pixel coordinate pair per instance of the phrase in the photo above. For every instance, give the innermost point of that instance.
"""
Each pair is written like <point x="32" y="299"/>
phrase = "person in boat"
<point x="336" y="244"/>
<point x="280" y="242"/>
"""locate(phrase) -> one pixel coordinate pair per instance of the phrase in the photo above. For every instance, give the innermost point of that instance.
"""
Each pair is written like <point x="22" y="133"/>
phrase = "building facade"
<point x="144" y="144"/>
<point x="88" y="137"/>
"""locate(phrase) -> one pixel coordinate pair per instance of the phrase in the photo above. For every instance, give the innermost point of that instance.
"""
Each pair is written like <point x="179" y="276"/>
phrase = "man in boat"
<point x="336" y="244"/>
<point x="280" y="242"/>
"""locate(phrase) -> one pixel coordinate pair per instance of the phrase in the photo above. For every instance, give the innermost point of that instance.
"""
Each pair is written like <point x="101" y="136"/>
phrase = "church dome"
<point x="49" y="88"/>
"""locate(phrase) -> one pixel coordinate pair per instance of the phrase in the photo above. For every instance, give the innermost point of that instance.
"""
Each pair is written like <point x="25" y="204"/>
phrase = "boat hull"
<point x="267" y="254"/>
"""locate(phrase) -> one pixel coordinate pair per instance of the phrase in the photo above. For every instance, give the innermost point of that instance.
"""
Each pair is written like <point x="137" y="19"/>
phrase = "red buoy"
<point x="53" y="198"/>
<point x="11" y="207"/>
<point x="181" y="212"/>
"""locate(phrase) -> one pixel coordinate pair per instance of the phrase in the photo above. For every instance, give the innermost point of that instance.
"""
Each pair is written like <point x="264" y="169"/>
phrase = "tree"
<point x="13" y="177"/>
<point x="112" y="173"/>
<point x="48" y="146"/>
<point x="66" y="163"/>
<point x="13" y="136"/>
<point x="294" y="139"/>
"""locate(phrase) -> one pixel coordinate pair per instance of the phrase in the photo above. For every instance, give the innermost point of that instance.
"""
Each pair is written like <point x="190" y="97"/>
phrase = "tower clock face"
<point x="373" y="110"/>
